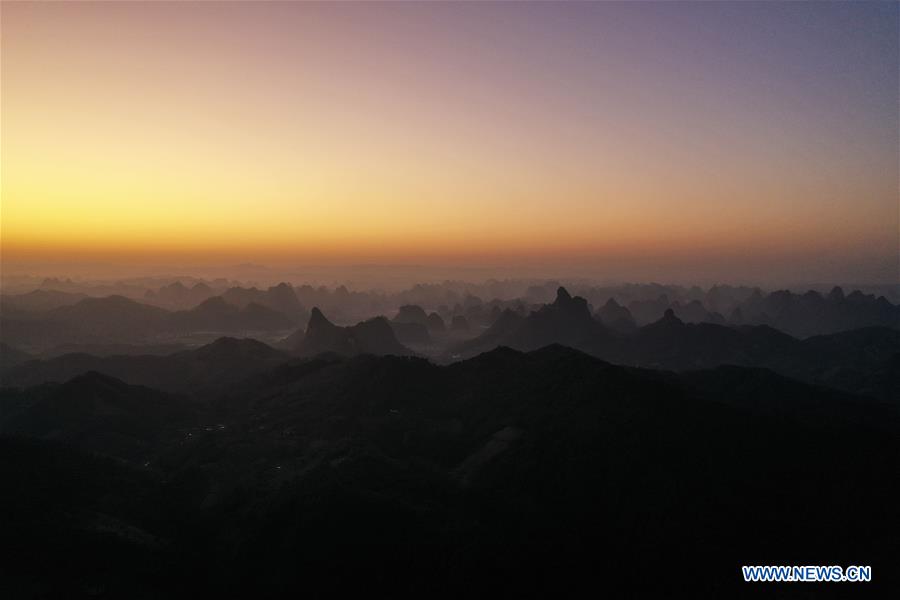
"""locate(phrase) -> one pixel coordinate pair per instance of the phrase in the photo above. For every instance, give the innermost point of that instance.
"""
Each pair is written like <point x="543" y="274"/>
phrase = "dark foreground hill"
<point x="98" y="413"/>
<point x="509" y="474"/>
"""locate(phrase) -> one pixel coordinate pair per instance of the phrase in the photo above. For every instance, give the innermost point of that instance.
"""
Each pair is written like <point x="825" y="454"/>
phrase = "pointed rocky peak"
<point x="411" y="313"/>
<point x="435" y="322"/>
<point x="836" y="293"/>
<point x="616" y="316"/>
<point x="576" y="307"/>
<point x="670" y="318"/>
<point x="317" y="320"/>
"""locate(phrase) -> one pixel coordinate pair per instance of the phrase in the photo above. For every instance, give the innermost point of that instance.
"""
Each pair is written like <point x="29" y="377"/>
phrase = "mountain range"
<point x="841" y="359"/>
<point x="120" y="320"/>
<point x="374" y="336"/>
<point x="215" y="366"/>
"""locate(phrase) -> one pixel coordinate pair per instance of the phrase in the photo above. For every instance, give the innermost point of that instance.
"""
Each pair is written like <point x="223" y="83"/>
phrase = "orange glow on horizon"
<point x="142" y="132"/>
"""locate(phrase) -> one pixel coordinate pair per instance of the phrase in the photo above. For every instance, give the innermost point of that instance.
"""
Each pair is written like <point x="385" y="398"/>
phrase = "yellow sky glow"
<point x="298" y="133"/>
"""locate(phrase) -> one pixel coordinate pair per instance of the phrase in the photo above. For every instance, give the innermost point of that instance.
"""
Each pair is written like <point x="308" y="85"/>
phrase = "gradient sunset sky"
<point x="731" y="140"/>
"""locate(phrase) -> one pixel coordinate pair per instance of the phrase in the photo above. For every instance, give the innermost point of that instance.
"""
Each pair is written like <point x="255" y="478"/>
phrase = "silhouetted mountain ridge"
<point x="669" y="343"/>
<point x="200" y="370"/>
<point x="566" y="321"/>
<point x="215" y="314"/>
<point x="374" y="336"/>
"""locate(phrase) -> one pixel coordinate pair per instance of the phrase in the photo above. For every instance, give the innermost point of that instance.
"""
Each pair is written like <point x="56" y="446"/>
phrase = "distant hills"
<point x="179" y="296"/>
<point x="812" y="313"/>
<point x="41" y="300"/>
<point x="616" y="317"/>
<point x="39" y="319"/>
<point x="216" y="314"/>
<point x="112" y="317"/>
<point x="374" y="336"/>
<point x="213" y="366"/>
<point x="216" y="364"/>
<point x="280" y="298"/>
<point x="117" y="319"/>
<point x="670" y="343"/>
<point x="846" y="360"/>
<point x="566" y="321"/>
<point x="801" y="315"/>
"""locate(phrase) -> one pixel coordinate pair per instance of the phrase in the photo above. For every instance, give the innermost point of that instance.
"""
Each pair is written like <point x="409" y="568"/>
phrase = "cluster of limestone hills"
<point x="864" y="358"/>
<point x="860" y="360"/>
<point x="41" y="319"/>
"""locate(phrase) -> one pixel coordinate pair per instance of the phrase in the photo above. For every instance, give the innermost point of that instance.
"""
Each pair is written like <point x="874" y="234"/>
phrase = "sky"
<point x="673" y="141"/>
